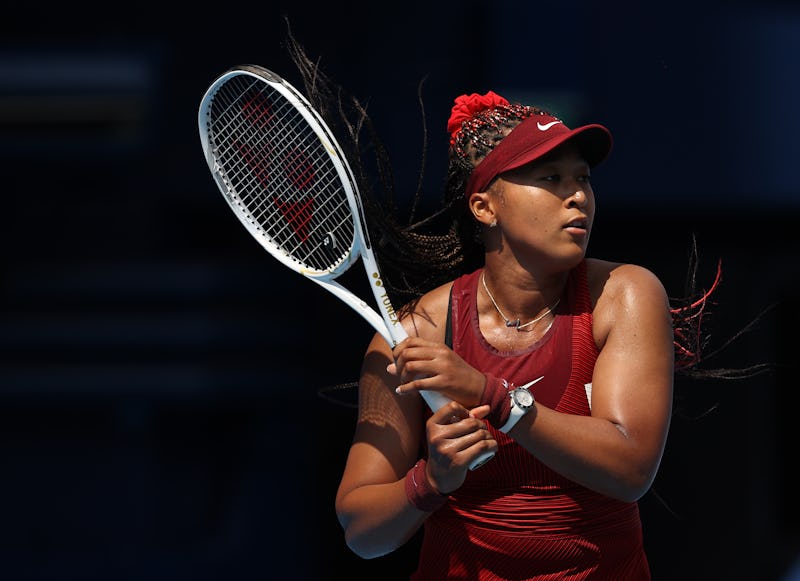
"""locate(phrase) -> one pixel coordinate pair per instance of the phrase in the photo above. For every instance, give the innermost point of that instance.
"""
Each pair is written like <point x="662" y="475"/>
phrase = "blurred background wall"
<point x="160" y="415"/>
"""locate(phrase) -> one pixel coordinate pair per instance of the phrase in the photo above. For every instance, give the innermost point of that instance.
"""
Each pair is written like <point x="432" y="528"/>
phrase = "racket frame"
<point x="387" y="323"/>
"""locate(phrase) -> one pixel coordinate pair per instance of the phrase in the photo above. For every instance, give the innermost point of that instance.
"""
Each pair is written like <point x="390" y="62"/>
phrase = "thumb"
<point x="480" y="412"/>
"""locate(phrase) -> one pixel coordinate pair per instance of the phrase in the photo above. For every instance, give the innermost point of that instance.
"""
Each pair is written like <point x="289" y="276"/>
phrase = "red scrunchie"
<point x="420" y="491"/>
<point x="466" y="106"/>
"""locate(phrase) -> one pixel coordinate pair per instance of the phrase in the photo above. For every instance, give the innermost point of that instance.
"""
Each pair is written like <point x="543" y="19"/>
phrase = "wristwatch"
<point x="521" y="402"/>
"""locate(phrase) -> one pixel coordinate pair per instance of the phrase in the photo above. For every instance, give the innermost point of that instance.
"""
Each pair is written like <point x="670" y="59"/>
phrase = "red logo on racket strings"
<point x="298" y="214"/>
<point x="299" y="169"/>
<point x="300" y="172"/>
<point x="257" y="159"/>
<point x="257" y="109"/>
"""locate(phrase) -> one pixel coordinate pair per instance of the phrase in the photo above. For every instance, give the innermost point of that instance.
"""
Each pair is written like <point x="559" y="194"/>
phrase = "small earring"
<point x="493" y="223"/>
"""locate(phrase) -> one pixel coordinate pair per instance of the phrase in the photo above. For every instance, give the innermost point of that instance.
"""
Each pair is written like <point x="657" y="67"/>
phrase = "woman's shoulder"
<point x="426" y="316"/>
<point x="605" y="277"/>
<point x="618" y="287"/>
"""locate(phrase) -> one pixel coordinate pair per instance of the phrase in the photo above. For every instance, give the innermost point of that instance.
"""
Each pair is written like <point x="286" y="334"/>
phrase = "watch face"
<point x="523" y="398"/>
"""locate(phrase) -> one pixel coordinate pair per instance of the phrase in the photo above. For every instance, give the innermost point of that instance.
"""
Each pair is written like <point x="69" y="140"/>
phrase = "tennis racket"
<point x="285" y="177"/>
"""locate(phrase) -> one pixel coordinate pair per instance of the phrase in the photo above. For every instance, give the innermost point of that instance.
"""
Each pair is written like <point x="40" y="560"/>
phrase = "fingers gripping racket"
<point x="285" y="177"/>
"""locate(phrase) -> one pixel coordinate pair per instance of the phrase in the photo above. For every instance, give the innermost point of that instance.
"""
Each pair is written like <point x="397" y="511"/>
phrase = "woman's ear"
<point x="482" y="209"/>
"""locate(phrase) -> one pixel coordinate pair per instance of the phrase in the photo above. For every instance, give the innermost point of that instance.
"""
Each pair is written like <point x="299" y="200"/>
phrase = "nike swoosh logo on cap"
<point x="547" y="126"/>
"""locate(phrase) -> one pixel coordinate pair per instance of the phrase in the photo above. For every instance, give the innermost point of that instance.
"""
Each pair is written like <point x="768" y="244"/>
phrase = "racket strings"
<point x="280" y="173"/>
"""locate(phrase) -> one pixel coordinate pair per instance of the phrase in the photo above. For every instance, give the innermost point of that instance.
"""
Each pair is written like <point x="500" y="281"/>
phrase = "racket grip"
<point x="435" y="400"/>
<point x="481" y="460"/>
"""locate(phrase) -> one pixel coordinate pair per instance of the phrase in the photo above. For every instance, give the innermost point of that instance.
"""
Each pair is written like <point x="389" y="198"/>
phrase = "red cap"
<point x="533" y="138"/>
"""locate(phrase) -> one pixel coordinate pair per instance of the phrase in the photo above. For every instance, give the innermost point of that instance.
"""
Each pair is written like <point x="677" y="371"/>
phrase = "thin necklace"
<point x="515" y="322"/>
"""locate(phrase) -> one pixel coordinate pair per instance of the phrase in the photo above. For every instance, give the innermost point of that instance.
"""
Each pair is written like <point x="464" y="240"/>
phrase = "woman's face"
<point x="547" y="206"/>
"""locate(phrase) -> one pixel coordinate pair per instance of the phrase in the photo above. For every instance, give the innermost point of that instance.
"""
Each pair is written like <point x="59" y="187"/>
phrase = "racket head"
<point x="281" y="171"/>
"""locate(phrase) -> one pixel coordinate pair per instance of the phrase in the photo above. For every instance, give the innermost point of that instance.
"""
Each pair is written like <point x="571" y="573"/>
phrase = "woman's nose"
<point x="578" y="198"/>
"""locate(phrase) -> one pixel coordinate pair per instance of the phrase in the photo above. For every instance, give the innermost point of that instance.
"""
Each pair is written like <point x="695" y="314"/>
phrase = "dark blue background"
<point x="159" y="373"/>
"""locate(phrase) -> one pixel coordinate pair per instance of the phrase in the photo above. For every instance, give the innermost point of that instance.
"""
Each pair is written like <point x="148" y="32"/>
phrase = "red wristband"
<point x="419" y="490"/>
<point x="496" y="395"/>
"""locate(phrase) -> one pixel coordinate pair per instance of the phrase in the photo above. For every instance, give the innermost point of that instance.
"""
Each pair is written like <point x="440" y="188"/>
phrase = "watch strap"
<point x="515" y="415"/>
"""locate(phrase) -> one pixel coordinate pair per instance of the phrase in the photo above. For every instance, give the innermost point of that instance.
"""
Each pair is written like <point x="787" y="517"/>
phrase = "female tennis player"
<point x="574" y="450"/>
<point x="560" y="364"/>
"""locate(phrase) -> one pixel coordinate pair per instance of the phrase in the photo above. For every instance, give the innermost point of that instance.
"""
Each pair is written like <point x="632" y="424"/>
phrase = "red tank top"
<point x="515" y="518"/>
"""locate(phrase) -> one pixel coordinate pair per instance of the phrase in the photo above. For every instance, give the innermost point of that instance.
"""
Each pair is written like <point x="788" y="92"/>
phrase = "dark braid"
<point x="690" y="324"/>
<point x="404" y="254"/>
